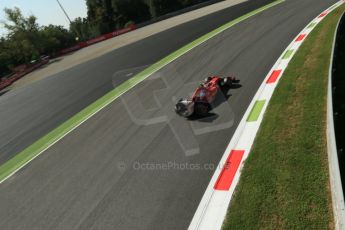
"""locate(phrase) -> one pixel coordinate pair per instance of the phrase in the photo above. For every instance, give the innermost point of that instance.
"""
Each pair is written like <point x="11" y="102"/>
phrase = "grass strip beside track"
<point x="28" y="154"/>
<point x="285" y="181"/>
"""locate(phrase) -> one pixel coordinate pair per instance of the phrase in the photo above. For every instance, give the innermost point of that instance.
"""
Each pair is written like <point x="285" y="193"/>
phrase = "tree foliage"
<point x="22" y="39"/>
<point x="107" y="15"/>
<point x="131" y="10"/>
<point x="82" y="29"/>
<point x="162" y="7"/>
<point x="26" y="40"/>
<point x="54" y="38"/>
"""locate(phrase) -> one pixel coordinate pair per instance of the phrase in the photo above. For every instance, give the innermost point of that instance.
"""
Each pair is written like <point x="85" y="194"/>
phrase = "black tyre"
<point x="201" y="109"/>
<point x="180" y="108"/>
<point x="227" y="82"/>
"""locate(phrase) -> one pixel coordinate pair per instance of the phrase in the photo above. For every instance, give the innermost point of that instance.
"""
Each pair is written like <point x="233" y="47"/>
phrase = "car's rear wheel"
<point x="201" y="109"/>
<point x="227" y="82"/>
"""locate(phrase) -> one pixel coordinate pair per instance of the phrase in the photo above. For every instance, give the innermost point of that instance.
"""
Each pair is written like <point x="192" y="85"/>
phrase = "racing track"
<point x="86" y="180"/>
<point x="30" y="112"/>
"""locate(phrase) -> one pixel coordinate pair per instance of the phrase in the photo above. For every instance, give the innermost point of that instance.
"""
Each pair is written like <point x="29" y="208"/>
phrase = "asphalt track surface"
<point x="90" y="179"/>
<point x="29" y="113"/>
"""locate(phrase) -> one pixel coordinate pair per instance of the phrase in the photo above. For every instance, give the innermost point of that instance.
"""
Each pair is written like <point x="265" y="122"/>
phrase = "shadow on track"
<point x="220" y="99"/>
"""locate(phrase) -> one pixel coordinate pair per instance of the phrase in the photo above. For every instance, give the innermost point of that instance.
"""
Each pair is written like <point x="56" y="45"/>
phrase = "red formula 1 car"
<point x="204" y="95"/>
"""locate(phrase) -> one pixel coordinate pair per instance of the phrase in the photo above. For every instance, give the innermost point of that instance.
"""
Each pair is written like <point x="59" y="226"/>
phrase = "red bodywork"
<point x="208" y="91"/>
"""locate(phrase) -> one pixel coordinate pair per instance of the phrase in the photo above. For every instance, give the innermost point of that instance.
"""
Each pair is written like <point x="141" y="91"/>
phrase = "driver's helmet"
<point x="202" y="93"/>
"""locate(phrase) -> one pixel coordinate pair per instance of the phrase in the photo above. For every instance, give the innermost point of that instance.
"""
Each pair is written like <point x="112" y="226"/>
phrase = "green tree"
<point x="162" y="7"/>
<point x="108" y="15"/>
<point x="23" y="35"/>
<point x="101" y="16"/>
<point x="27" y="41"/>
<point x="54" y="38"/>
<point x="131" y="10"/>
<point x="82" y="29"/>
<point x="5" y="60"/>
<point x="186" y="3"/>
<point x="151" y="5"/>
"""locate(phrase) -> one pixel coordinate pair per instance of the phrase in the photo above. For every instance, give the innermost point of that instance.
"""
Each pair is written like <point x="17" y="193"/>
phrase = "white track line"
<point x="158" y="67"/>
<point x="213" y="206"/>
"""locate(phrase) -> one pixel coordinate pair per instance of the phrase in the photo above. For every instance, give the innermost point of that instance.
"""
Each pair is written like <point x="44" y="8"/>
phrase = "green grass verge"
<point x="285" y="181"/>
